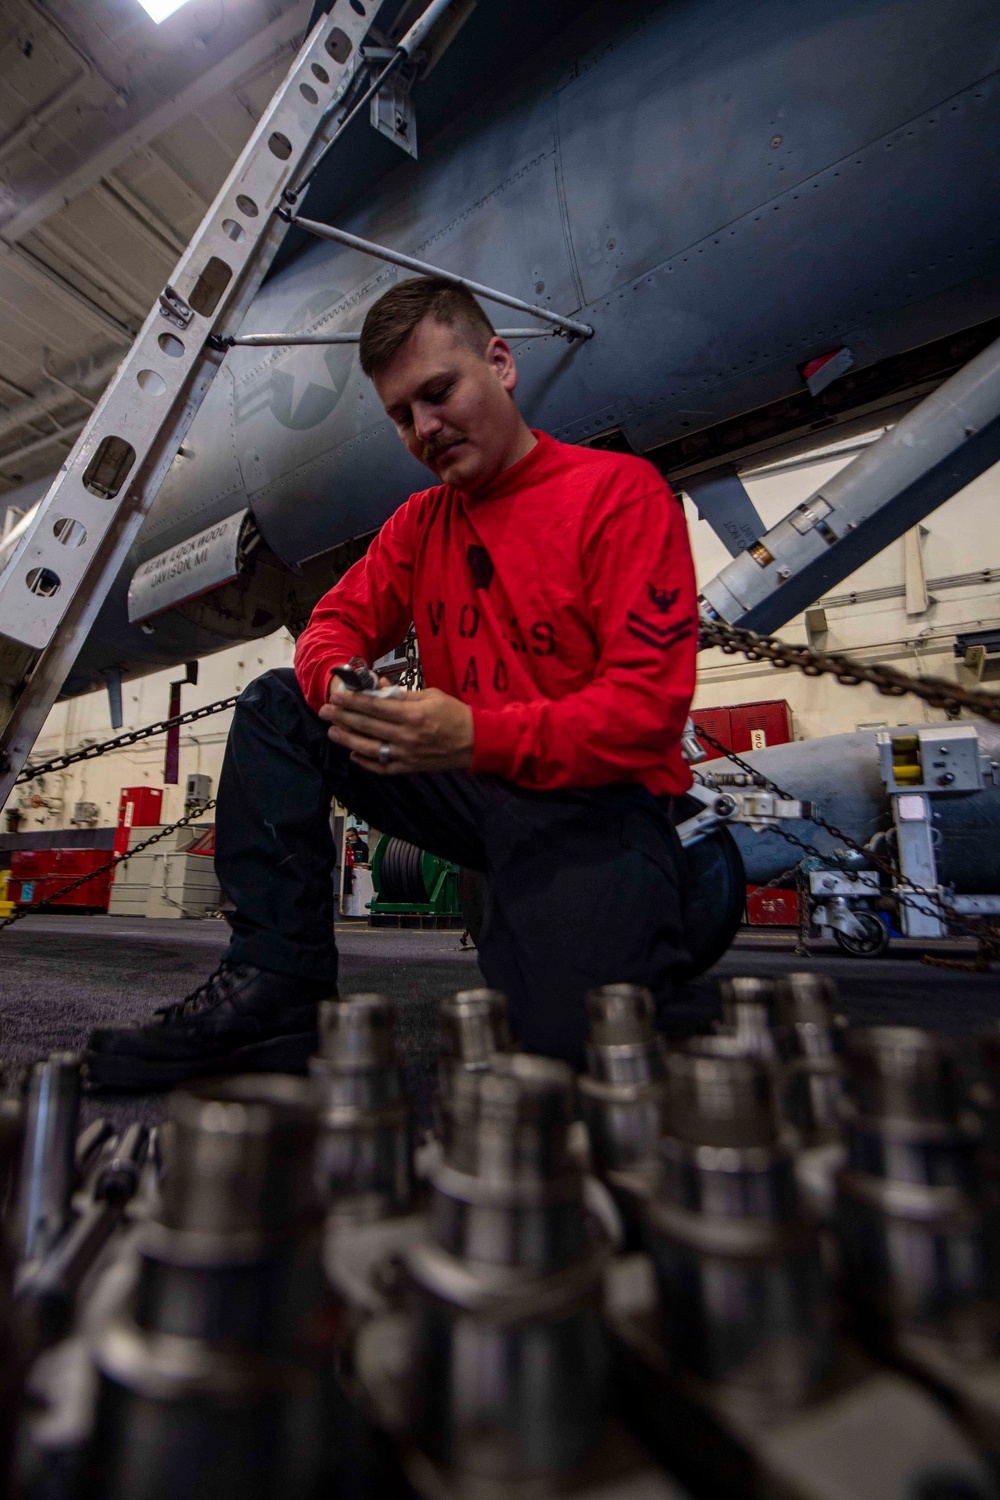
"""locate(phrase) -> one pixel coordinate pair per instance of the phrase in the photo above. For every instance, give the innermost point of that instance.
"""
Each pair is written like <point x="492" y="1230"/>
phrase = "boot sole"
<point x="279" y="1054"/>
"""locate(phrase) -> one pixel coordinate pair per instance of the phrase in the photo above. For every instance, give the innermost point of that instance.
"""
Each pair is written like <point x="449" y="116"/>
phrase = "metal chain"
<point x="951" y="697"/>
<point x="936" y="691"/>
<point x="112" y="864"/>
<point x="122" y="741"/>
<point x="801" y="949"/>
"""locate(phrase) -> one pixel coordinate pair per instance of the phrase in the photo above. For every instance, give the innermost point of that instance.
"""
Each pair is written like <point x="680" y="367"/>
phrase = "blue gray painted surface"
<point x="840" y="775"/>
<point x="724" y="190"/>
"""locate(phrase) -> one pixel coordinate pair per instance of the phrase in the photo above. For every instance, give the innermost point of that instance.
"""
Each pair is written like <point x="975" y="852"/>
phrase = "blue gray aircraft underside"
<point x="724" y="191"/>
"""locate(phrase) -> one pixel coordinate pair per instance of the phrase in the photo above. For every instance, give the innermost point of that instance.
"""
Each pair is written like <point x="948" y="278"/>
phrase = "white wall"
<point x="80" y="721"/>
<point x="963" y="537"/>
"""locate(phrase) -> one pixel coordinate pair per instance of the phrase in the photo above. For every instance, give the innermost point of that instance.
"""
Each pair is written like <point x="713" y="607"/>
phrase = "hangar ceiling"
<point x="115" y="134"/>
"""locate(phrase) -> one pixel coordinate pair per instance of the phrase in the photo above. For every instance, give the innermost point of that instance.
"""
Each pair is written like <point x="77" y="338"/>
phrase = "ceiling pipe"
<point x="50" y="281"/>
<point x="23" y="133"/>
<point x="75" y="260"/>
<point x="64" y="385"/>
<point x="45" y="405"/>
<point x="144" y="213"/>
<point x="68" y="434"/>
<point x="32" y="123"/>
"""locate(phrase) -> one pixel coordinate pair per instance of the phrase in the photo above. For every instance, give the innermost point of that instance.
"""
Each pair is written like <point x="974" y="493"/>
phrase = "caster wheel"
<point x="870" y="943"/>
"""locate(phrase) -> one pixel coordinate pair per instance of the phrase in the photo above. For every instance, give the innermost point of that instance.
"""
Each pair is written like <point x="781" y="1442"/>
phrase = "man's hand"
<point x="425" y="731"/>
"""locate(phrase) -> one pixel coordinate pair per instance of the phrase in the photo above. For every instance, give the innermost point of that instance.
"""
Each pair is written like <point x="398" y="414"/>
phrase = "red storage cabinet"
<point x="746" y="726"/>
<point x="754" y="726"/>
<point x="38" y="876"/>
<point x="772" y="907"/>
<point x="716" y="721"/>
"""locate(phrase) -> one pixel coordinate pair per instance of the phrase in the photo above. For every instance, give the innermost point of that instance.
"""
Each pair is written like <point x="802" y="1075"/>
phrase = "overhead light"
<point x="161" y="9"/>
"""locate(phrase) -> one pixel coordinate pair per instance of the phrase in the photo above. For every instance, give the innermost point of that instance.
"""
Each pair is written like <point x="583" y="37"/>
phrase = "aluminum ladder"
<point x="65" y="563"/>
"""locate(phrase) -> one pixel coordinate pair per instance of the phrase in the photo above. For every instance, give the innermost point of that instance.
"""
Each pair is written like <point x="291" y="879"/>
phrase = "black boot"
<point x="241" y="1020"/>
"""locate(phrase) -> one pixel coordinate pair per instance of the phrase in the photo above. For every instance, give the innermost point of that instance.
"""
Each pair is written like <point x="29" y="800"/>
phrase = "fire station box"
<point x="717" y="722"/>
<point x="138" y="807"/>
<point x="754" y="726"/>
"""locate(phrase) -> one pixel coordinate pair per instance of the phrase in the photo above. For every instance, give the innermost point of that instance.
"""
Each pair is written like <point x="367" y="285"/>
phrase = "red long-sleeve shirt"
<point x="558" y="602"/>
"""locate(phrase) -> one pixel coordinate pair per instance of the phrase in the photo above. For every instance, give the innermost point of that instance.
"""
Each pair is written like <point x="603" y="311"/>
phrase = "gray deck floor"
<point x="61" y="975"/>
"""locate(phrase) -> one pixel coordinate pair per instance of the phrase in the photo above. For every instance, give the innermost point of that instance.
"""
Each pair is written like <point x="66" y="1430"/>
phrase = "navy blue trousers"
<point x="583" y="887"/>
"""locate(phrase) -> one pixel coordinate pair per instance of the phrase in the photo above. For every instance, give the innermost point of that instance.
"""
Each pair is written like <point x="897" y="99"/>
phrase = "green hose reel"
<point x="409" y="881"/>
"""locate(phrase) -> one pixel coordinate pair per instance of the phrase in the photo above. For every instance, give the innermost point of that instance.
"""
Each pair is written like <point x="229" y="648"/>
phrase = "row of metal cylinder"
<point x="223" y="1369"/>
<point x="791" y="1176"/>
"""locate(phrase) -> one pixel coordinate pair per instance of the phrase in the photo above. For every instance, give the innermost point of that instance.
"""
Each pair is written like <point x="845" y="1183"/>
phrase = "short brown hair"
<point x="395" y="315"/>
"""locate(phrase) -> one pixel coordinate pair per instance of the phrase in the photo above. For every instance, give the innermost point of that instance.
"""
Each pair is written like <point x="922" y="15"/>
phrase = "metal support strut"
<point x="279" y="340"/>
<point x="569" y="327"/>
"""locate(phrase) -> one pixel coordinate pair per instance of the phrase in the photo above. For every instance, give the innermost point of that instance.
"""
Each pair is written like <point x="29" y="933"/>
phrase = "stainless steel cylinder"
<point x="365" y="1157"/>
<point x="233" y="1259"/>
<point x="719" y="1095"/>
<point x="748" y="989"/>
<point x="911" y="1209"/>
<point x="805" y="997"/>
<point x="902" y="1073"/>
<point x="12" y="1111"/>
<point x="509" y="1377"/>
<point x="810" y="1040"/>
<point x="11" y="1142"/>
<point x="211" y="1378"/>
<point x="473" y="1026"/>
<point x="47" y="1162"/>
<point x="750" y="1024"/>
<point x="623" y="1046"/>
<point x="743" y="1295"/>
<point x="240" y="1165"/>
<point x="790" y="1024"/>
<point x="623" y="1095"/>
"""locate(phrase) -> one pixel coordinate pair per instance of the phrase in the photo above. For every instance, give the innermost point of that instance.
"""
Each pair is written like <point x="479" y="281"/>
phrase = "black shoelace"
<point x="209" y="993"/>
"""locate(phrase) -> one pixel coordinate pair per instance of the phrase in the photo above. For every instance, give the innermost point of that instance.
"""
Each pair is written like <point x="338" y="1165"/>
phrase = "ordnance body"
<point x="365" y="1154"/>
<point x="212" y="1377"/>
<point x="725" y="1342"/>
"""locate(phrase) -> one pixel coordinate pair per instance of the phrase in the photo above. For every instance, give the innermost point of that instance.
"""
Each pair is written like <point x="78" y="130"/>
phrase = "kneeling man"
<point x="554" y="601"/>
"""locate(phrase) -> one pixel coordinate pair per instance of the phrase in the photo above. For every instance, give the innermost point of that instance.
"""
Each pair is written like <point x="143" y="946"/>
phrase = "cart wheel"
<point x="874" y="940"/>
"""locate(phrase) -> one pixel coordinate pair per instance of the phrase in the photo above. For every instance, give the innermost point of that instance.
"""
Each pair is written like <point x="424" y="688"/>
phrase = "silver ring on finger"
<point x="384" y="754"/>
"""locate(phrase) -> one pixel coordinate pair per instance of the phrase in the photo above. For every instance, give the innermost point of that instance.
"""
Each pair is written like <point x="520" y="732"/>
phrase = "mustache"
<point x="436" y="445"/>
